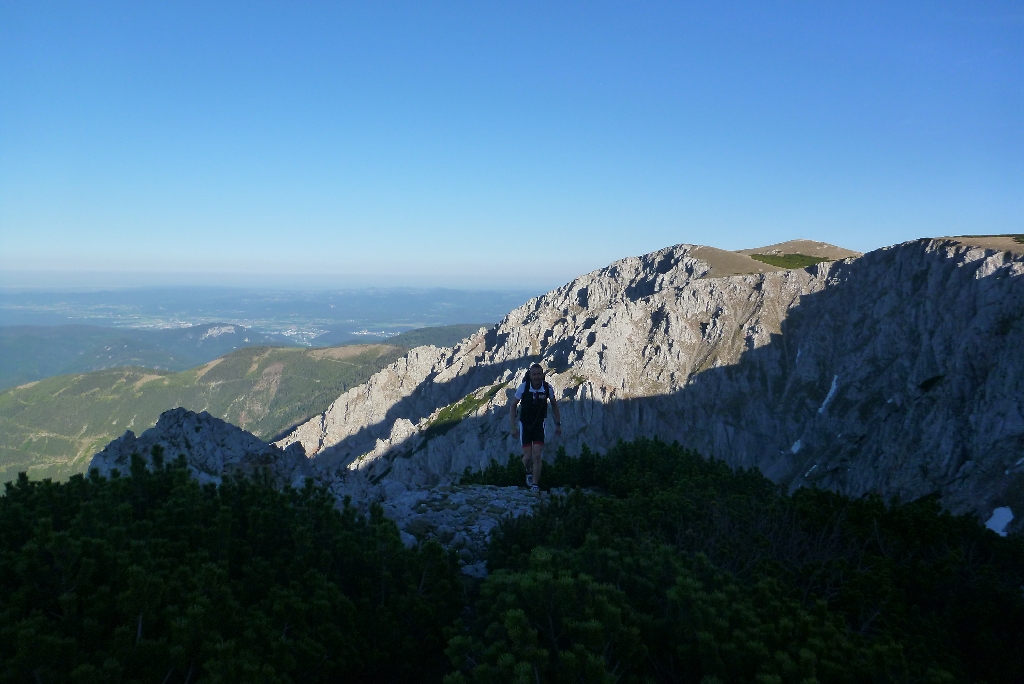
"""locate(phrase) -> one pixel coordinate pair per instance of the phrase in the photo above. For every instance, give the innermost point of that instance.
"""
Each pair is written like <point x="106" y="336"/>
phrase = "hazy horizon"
<point x="15" y="280"/>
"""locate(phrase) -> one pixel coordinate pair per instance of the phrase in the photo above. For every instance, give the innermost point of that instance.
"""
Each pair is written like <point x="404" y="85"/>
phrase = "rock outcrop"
<point x="899" y="372"/>
<point x="460" y="518"/>
<point x="213" y="448"/>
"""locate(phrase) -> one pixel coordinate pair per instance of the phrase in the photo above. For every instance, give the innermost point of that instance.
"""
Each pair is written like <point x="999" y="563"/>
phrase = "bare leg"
<point x="528" y="457"/>
<point x="537" y="462"/>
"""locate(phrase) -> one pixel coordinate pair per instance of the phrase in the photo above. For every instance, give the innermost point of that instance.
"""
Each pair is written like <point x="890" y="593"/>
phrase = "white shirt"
<point x="543" y="387"/>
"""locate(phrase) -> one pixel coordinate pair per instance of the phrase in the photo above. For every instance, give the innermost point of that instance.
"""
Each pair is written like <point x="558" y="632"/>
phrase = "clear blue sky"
<point x="453" y="143"/>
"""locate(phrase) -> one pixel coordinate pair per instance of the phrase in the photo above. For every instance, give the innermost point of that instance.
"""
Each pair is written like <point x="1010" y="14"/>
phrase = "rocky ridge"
<point x="898" y="372"/>
<point x="212" y="447"/>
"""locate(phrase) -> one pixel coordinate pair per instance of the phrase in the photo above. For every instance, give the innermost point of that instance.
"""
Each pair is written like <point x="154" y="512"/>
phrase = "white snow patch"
<point x="1001" y="517"/>
<point x="796" y="447"/>
<point x="831" y="392"/>
<point x="218" y="330"/>
<point x="813" y="468"/>
<point x="205" y="478"/>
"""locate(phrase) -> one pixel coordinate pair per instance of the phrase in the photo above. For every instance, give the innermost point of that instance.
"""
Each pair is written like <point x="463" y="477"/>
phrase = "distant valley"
<point x="44" y="333"/>
<point x="317" y="318"/>
<point x="33" y="352"/>
<point x="50" y="428"/>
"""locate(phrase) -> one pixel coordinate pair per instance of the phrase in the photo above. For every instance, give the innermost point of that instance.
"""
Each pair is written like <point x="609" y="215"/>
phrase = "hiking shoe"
<point x="534" y="488"/>
<point x="529" y="479"/>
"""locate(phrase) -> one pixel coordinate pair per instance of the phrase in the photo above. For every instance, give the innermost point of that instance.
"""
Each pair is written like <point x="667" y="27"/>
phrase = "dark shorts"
<point x="531" y="434"/>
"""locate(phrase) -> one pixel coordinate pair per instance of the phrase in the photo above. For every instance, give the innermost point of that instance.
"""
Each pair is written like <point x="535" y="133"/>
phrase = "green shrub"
<point x="153" y="578"/>
<point x="452" y="415"/>
<point x="888" y="592"/>
<point x="548" y="624"/>
<point x="672" y="568"/>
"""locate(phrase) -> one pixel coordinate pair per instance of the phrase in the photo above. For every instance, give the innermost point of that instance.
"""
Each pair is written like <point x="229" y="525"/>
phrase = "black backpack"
<point x="534" y="411"/>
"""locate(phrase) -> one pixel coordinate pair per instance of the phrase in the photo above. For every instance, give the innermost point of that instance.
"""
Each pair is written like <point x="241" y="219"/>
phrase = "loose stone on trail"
<point x="458" y="517"/>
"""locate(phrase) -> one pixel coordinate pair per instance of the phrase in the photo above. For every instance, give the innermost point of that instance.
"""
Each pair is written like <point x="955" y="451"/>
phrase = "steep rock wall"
<point x="899" y="372"/>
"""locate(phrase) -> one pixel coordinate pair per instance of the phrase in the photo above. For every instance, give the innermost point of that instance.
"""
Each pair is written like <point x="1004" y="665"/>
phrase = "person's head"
<point x="536" y="375"/>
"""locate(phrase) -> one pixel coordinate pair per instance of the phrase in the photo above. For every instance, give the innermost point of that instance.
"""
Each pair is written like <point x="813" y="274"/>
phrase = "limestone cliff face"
<point x="899" y="372"/>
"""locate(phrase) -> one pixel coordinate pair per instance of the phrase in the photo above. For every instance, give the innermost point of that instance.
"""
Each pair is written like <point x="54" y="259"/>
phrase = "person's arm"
<point x="513" y="425"/>
<point x="558" y="415"/>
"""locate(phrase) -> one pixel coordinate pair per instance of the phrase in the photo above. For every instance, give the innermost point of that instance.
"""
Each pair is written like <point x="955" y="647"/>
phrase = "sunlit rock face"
<point x="898" y="372"/>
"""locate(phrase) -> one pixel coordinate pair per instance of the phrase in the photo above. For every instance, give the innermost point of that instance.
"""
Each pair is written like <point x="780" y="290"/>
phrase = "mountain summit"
<point x="897" y="372"/>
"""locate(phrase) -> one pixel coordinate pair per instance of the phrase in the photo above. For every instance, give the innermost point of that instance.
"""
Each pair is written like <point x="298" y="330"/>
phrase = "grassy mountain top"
<point x="808" y="247"/>
<point x="790" y="254"/>
<point x="1007" y="242"/>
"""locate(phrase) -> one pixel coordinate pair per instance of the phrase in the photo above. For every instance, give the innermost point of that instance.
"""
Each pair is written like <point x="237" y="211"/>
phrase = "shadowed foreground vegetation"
<point x="154" y="579"/>
<point x="685" y="569"/>
<point x="671" y="568"/>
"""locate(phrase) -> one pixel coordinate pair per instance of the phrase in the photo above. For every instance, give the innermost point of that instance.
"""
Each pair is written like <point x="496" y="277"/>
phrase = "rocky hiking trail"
<point x="459" y="517"/>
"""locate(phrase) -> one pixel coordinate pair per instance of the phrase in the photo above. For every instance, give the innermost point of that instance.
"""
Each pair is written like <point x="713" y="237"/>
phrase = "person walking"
<point x="533" y="396"/>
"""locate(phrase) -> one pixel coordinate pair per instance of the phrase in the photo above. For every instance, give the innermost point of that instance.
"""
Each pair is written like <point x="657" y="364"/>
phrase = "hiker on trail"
<point x="534" y="394"/>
